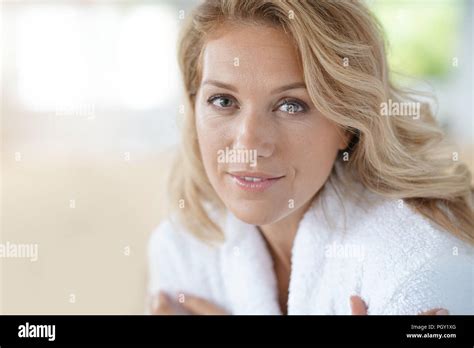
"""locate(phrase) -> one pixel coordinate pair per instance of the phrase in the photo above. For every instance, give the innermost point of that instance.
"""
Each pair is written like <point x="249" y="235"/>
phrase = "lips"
<point x="253" y="181"/>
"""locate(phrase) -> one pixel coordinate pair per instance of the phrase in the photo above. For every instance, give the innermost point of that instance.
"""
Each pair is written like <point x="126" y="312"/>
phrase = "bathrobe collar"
<point x="247" y="265"/>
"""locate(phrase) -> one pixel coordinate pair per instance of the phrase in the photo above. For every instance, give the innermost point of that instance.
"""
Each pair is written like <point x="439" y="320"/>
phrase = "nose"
<point x="255" y="131"/>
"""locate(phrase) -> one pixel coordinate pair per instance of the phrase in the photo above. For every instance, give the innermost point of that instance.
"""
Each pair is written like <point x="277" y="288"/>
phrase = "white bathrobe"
<point x="395" y="259"/>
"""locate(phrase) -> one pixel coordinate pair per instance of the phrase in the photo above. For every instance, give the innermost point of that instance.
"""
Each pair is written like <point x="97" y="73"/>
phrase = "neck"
<point x="280" y="235"/>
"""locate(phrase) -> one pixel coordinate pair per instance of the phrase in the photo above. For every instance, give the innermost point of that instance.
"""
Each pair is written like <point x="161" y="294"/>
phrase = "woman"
<point x="295" y="190"/>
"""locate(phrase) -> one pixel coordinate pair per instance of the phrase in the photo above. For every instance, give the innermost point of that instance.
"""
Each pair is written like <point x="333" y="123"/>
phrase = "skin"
<point x="247" y="106"/>
<point x="252" y="116"/>
<point x="249" y="114"/>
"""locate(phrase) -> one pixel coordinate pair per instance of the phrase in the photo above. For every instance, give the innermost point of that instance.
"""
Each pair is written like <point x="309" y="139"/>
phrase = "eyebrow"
<point x="230" y="87"/>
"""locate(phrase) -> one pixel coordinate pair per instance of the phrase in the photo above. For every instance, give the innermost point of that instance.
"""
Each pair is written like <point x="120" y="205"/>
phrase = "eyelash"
<point x="298" y="102"/>
<point x="211" y="100"/>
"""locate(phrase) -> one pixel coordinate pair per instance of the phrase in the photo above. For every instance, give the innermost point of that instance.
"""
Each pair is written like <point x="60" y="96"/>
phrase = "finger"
<point x="161" y="305"/>
<point x="435" y="311"/>
<point x="358" y="306"/>
<point x="197" y="305"/>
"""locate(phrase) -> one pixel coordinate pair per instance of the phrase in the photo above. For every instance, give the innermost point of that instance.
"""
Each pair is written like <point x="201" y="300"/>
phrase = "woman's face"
<point x="266" y="149"/>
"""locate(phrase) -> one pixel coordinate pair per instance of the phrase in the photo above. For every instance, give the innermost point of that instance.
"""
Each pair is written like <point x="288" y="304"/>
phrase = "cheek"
<point x="207" y="145"/>
<point x="211" y="138"/>
<point x="313" y="156"/>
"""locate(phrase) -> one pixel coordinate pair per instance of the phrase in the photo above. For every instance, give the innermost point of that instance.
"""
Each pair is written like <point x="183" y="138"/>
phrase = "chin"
<point x="255" y="212"/>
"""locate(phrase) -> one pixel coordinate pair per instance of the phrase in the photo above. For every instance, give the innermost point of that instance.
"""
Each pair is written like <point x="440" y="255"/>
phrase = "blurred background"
<point x="90" y="95"/>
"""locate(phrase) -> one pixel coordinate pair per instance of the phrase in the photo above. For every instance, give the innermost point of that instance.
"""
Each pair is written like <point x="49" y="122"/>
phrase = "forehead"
<point x="250" y="51"/>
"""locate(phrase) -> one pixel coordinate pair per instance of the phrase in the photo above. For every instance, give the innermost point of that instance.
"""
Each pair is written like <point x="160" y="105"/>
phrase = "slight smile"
<point x="253" y="181"/>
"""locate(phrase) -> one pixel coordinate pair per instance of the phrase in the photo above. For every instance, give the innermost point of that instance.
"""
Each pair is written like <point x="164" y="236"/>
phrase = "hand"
<point x="162" y="304"/>
<point x="358" y="307"/>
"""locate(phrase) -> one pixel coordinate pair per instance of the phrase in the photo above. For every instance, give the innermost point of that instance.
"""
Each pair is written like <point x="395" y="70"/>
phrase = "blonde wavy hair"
<point x="396" y="157"/>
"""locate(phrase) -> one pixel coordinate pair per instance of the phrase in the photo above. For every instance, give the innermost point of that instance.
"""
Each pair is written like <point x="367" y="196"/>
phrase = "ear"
<point x="345" y="138"/>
